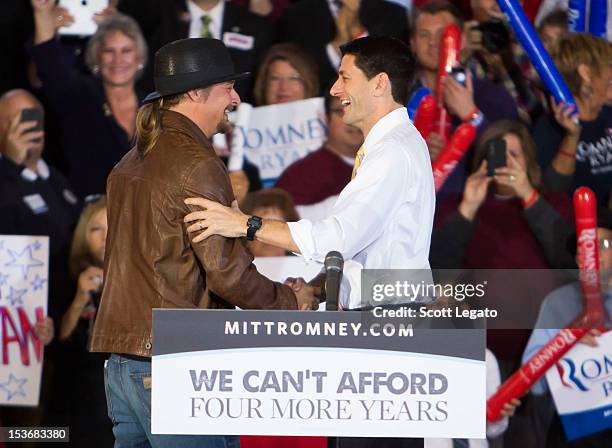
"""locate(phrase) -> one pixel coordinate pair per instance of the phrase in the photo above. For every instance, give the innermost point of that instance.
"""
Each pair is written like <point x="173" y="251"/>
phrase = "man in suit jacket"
<point x="245" y="34"/>
<point x="323" y="25"/>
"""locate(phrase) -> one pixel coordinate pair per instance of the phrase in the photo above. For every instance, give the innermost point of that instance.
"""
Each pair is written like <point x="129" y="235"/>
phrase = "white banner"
<point x="313" y="374"/>
<point x="273" y="137"/>
<point x="23" y="299"/>
<point x="581" y="385"/>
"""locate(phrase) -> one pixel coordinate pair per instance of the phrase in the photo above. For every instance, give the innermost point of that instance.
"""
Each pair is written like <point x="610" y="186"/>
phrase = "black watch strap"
<point x="253" y="225"/>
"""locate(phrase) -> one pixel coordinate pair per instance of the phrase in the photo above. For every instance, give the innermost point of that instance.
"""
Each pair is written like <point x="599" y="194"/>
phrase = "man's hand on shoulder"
<point x="215" y="219"/>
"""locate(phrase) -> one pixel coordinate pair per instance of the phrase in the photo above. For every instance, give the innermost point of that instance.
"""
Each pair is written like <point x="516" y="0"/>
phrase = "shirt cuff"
<point x="301" y="232"/>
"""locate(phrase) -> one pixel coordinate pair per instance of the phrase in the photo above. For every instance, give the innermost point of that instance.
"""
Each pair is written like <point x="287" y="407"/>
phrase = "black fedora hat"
<point x="188" y="64"/>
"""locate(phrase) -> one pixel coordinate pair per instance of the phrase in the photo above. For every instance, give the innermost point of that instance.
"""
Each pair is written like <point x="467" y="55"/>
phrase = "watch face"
<point x="254" y="221"/>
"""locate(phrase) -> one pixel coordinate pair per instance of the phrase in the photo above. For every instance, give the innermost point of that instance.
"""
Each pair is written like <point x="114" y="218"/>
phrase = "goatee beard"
<point x="224" y="126"/>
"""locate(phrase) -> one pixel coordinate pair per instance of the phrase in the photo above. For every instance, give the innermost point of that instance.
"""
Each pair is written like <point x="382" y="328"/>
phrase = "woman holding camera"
<point x="500" y="220"/>
<point x="504" y="222"/>
<point x="97" y="113"/>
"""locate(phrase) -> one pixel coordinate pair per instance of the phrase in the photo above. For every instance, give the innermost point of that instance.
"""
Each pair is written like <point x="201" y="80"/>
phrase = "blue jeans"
<point x="128" y="397"/>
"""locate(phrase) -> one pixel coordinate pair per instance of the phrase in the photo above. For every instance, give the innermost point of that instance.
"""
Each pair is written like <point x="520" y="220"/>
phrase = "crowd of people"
<point x="88" y="91"/>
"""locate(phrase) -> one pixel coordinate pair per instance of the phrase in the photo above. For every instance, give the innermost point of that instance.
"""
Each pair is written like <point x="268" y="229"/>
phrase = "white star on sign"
<point x="16" y="389"/>
<point x="15" y="295"/>
<point x="23" y="261"/>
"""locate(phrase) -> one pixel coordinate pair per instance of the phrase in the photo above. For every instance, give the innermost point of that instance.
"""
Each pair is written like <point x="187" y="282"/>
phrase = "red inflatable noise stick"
<point x="448" y="159"/>
<point x="592" y="316"/>
<point x="425" y="116"/>
<point x="449" y="58"/>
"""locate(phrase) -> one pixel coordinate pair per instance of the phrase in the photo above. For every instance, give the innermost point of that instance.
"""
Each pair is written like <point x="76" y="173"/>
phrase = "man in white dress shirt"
<point x="383" y="218"/>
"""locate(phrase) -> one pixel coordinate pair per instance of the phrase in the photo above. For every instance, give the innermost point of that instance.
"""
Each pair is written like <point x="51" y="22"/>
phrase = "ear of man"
<point x="199" y="95"/>
<point x="382" y="84"/>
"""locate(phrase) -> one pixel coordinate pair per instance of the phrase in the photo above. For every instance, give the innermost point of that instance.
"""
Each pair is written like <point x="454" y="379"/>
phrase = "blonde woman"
<point x="97" y="112"/>
<point x="81" y="374"/>
<point x="579" y="152"/>
<point x="86" y="263"/>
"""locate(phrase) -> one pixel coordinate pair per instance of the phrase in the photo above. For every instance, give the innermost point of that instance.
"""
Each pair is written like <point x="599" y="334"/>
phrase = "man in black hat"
<point x="150" y="262"/>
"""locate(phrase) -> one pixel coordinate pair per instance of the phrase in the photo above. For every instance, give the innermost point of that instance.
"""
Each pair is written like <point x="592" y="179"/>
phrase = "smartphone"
<point x="82" y="11"/>
<point x="496" y="155"/>
<point x="35" y="116"/>
<point x="459" y="74"/>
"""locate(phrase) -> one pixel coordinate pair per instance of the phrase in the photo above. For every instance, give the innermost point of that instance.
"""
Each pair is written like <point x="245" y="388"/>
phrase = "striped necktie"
<point x="206" y="21"/>
<point x="358" y="160"/>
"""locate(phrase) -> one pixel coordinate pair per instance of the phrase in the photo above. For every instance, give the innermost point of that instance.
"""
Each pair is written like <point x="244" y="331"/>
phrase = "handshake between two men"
<point x="231" y="222"/>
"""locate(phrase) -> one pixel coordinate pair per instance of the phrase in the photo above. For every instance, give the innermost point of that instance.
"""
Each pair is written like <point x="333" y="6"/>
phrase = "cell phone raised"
<point x="33" y="115"/>
<point x="496" y="155"/>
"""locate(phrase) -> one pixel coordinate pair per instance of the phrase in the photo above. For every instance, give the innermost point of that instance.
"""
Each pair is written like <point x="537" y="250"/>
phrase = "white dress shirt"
<point x="216" y="15"/>
<point x="383" y="218"/>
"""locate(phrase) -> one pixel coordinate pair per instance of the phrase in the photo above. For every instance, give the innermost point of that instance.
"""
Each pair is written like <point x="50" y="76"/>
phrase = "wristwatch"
<point x="253" y="225"/>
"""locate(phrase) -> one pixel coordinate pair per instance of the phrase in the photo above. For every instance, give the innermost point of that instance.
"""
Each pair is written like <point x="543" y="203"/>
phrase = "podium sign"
<point x="314" y="374"/>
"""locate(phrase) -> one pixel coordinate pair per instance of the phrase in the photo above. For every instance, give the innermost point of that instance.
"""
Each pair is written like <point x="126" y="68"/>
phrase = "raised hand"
<point x="515" y="177"/>
<point x="566" y="117"/>
<point x="475" y="192"/>
<point x="459" y="99"/>
<point x="107" y="12"/>
<point x="509" y="408"/>
<point x="90" y="281"/>
<point x="18" y="141"/>
<point x="48" y="18"/>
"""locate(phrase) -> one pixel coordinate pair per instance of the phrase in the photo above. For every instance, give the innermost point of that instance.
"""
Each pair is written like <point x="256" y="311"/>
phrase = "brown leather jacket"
<point x="150" y="261"/>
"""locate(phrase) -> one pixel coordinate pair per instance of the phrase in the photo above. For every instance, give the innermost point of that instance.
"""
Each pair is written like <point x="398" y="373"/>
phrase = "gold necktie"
<point x="206" y="21"/>
<point x="358" y="160"/>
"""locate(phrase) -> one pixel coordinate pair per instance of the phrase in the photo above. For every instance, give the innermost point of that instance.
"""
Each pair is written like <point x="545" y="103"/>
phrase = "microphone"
<point x="333" y="270"/>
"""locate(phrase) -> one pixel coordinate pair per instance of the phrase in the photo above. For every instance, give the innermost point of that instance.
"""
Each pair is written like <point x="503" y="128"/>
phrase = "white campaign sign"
<point x="581" y="385"/>
<point x="307" y="391"/>
<point x="273" y="137"/>
<point x="24" y="267"/>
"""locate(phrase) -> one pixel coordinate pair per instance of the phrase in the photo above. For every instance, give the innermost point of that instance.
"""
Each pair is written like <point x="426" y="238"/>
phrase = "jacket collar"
<point x="179" y="122"/>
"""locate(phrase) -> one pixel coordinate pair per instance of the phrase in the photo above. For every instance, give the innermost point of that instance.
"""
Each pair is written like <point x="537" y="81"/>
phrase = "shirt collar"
<point x="42" y="171"/>
<point x="41" y="167"/>
<point x="216" y="14"/>
<point x="394" y="118"/>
